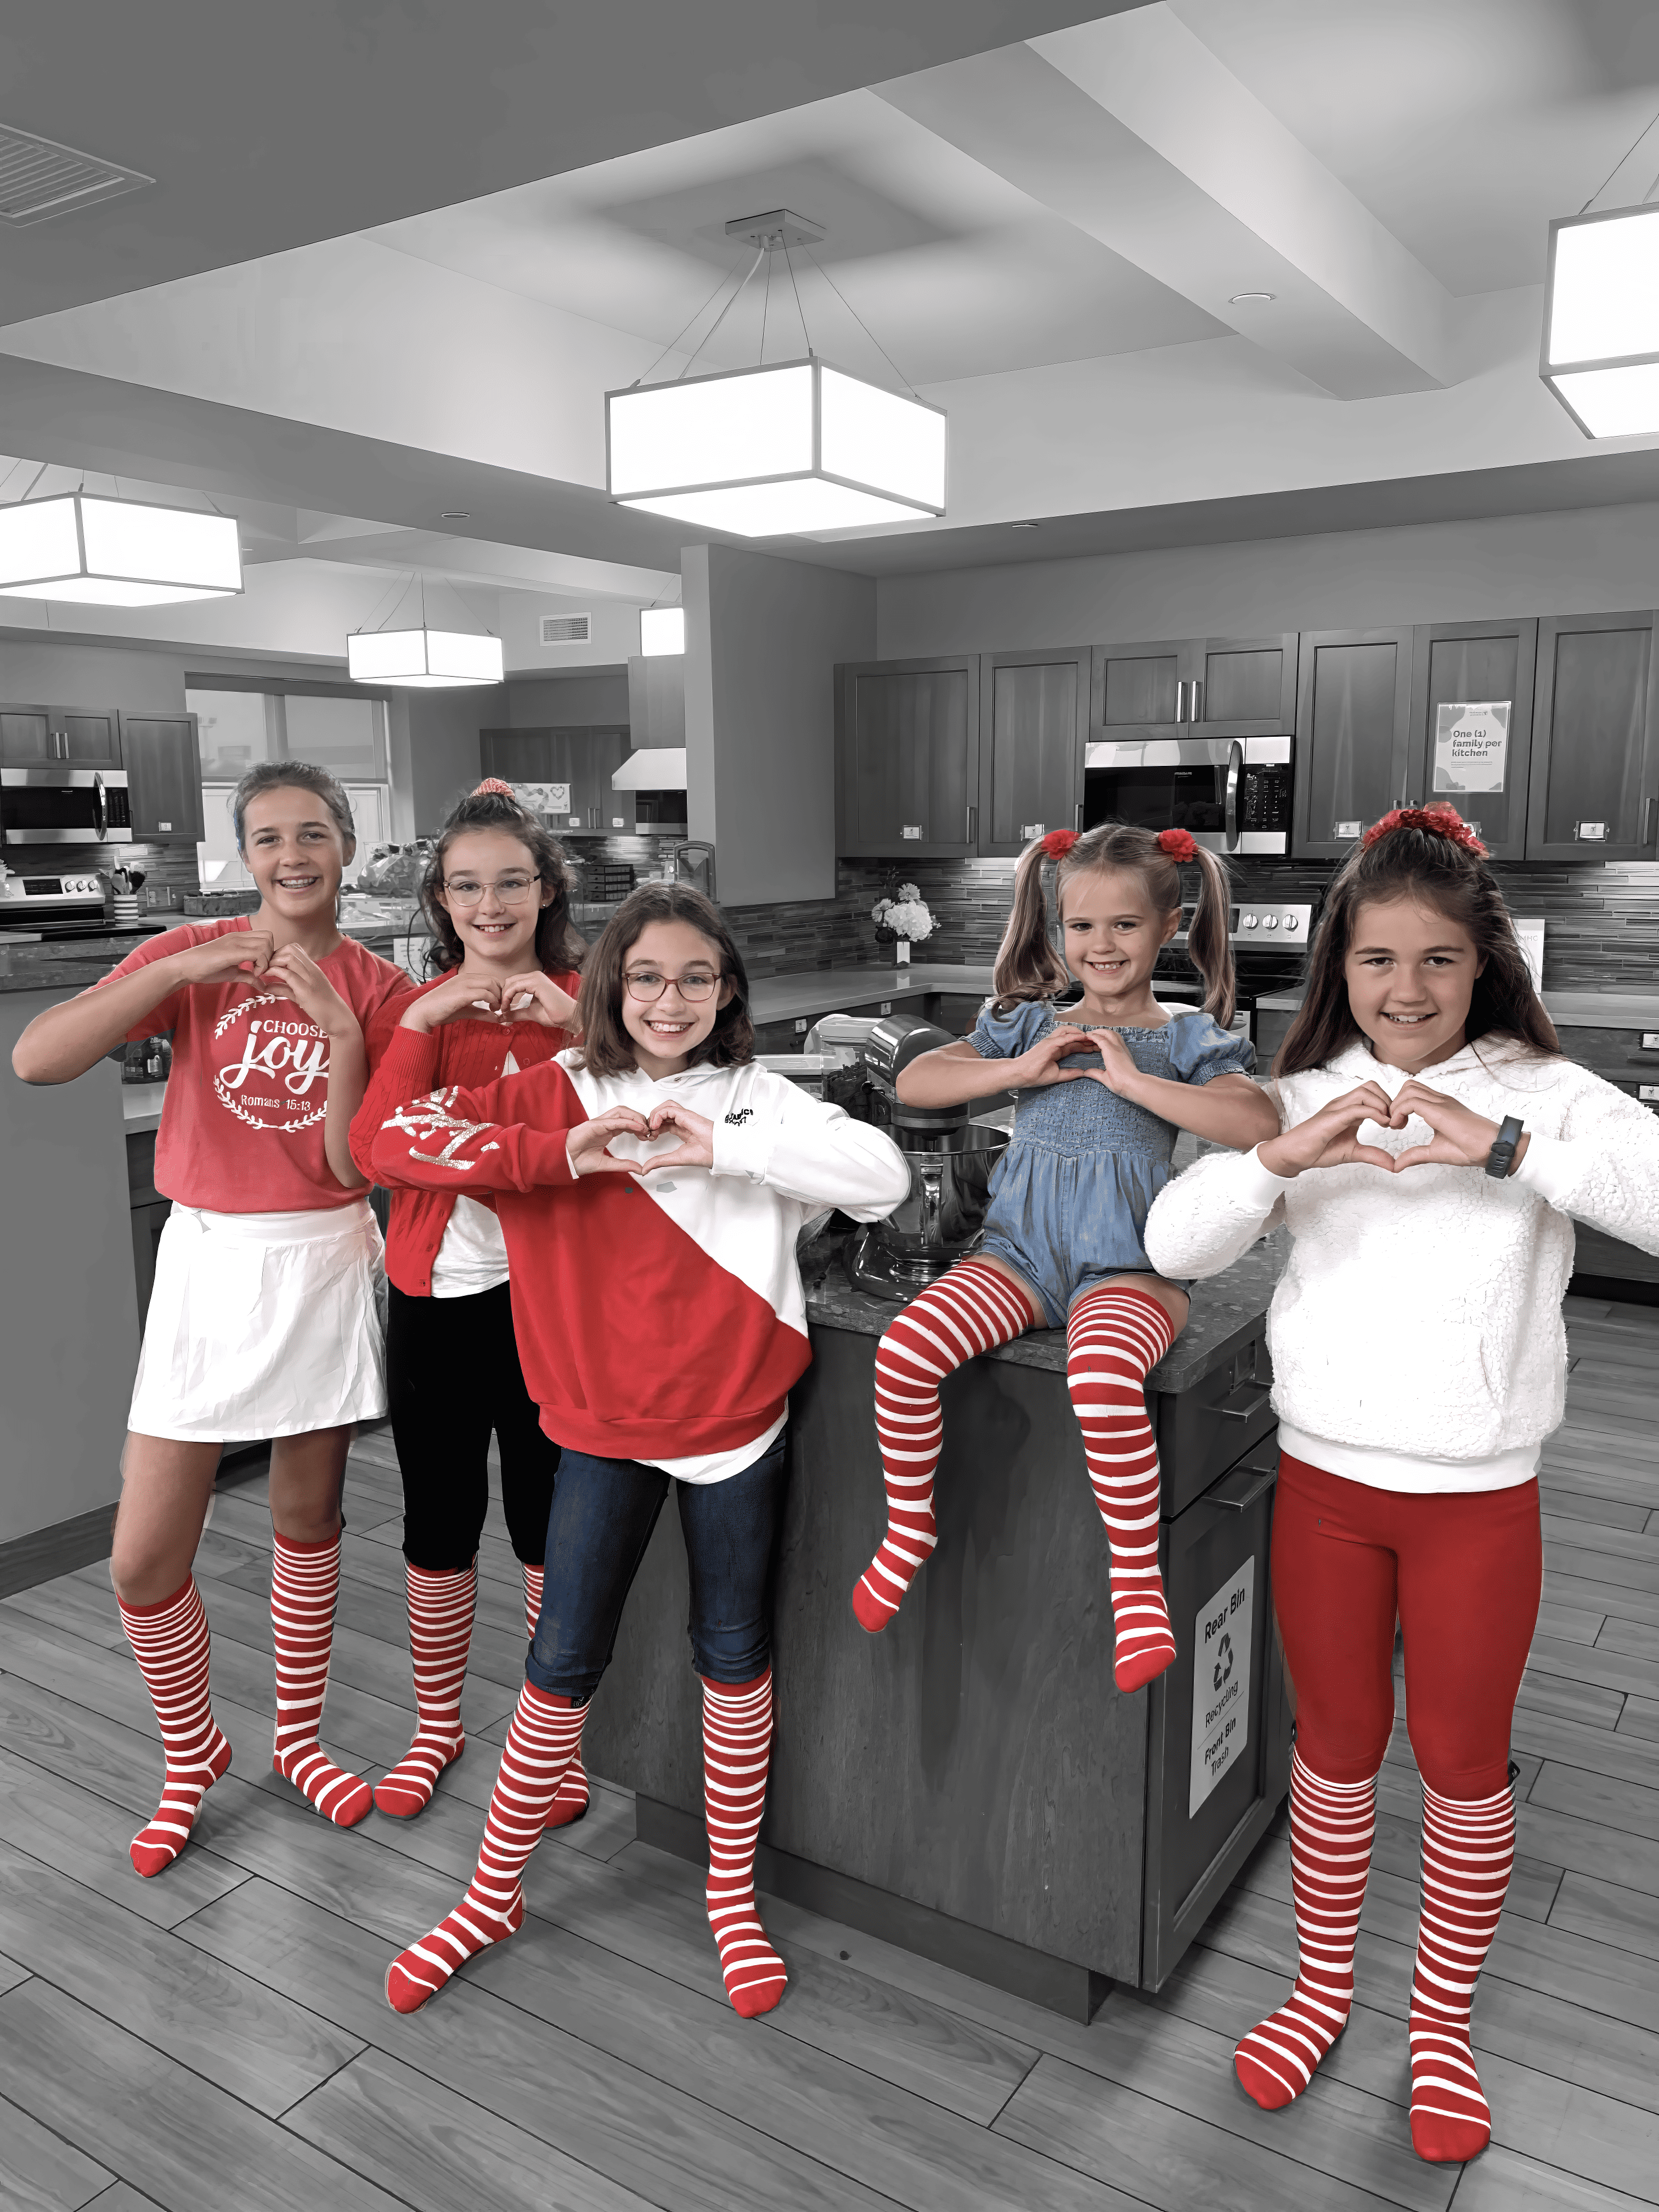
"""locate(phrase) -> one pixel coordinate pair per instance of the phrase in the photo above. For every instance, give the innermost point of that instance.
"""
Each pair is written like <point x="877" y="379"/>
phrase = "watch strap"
<point x="1501" y="1158"/>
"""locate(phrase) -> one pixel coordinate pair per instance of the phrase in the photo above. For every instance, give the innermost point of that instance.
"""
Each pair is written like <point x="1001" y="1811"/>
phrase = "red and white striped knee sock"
<point x="1331" y="1826"/>
<point x="170" y="1642"/>
<point x="971" y="1310"/>
<point x="737" y="1753"/>
<point x="1468" y="1851"/>
<point x="571" y="1801"/>
<point x="541" y="1742"/>
<point x="305" y="1582"/>
<point x="440" y="1608"/>
<point x="1113" y="1338"/>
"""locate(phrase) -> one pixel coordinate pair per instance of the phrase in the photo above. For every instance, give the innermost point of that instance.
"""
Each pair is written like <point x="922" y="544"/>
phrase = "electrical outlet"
<point x="800" y="1029"/>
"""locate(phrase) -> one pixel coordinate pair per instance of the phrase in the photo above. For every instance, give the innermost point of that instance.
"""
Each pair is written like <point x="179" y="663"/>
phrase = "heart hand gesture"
<point x="588" y="1146"/>
<point x="1461" y="1137"/>
<point x="1330" y="1138"/>
<point x="534" y="997"/>
<point x="454" y="1000"/>
<point x="696" y="1147"/>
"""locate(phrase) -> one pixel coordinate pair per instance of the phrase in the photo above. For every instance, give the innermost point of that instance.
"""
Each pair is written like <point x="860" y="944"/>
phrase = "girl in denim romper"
<point x="1102" y="1091"/>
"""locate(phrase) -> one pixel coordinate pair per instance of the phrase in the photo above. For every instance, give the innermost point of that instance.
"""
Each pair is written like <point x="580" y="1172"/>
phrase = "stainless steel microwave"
<point x="65" y="806"/>
<point x="1233" y="794"/>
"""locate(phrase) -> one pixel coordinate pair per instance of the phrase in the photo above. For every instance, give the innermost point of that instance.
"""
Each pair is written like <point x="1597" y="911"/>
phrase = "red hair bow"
<point x="1058" y="842"/>
<point x="493" y="783"/>
<point x="1438" y="821"/>
<point x="1177" y="844"/>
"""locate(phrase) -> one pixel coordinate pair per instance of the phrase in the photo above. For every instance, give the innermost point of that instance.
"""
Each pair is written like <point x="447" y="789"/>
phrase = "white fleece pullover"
<point x="1419" y="1315"/>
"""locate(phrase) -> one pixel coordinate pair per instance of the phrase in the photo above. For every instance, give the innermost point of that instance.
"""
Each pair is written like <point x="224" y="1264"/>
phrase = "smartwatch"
<point x="1501" y="1158"/>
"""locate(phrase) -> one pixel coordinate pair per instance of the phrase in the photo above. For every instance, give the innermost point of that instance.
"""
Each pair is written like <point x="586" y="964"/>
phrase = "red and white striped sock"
<point x="971" y="1310"/>
<point x="305" y="1582"/>
<point x="736" y="1751"/>
<point x="1468" y="1851"/>
<point x="439" y="1635"/>
<point x="571" y="1802"/>
<point x="170" y="1642"/>
<point x="541" y="1742"/>
<point x="1113" y="1338"/>
<point x="1332" y="1826"/>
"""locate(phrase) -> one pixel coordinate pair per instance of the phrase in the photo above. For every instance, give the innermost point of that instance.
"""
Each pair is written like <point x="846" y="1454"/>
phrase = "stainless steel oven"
<point x="1234" y="794"/>
<point x="65" y="806"/>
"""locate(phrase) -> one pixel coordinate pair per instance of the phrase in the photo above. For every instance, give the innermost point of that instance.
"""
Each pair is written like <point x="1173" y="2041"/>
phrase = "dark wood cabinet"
<point x="1594" y="780"/>
<point x="164" y="778"/>
<point x="1456" y="664"/>
<point x="517" y="756"/>
<point x="1207" y="686"/>
<point x="1033" y="722"/>
<point x="584" y="758"/>
<point x="1353" y="735"/>
<point x="909" y="751"/>
<point x="73" y="737"/>
<point x="1139" y="690"/>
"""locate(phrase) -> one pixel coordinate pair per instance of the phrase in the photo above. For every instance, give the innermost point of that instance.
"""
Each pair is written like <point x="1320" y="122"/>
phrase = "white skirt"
<point x="262" y="1325"/>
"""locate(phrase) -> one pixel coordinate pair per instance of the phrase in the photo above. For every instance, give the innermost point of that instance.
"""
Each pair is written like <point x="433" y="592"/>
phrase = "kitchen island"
<point x="970" y="1783"/>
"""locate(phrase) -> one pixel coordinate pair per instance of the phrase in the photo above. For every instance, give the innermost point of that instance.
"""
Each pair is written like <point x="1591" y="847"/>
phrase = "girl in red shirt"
<point x="262" y="1320"/>
<point x="496" y="896"/>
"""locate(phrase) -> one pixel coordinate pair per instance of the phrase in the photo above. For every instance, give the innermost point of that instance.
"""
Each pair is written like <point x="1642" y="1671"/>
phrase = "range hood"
<point x="653" y="768"/>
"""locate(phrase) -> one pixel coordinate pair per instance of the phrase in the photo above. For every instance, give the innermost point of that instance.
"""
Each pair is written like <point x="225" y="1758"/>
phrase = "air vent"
<point x="567" y="629"/>
<point x="40" y="178"/>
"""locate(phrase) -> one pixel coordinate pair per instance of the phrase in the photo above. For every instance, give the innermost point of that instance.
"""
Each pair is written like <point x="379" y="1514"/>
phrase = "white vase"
<point x="901" y="952"/>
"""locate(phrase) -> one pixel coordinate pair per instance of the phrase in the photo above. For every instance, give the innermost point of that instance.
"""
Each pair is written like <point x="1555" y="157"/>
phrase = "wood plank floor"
<point x="218" y="2037"/>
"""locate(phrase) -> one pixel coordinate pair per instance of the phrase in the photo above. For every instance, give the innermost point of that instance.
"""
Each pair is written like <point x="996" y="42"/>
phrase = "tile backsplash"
<point x="165" y="867"/>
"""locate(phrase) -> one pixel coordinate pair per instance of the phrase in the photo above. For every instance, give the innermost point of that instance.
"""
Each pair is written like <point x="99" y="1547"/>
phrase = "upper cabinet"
<point x="1353" y="735"/>
<point x="1594" y="781"/>
<point x="583" y="760"/>
<point x="164" y="778"/>
<point x="69" y="736"/>
<point x="1033" y="722"/>
<point x="1470" y="666"/>
<point x="1140" y="691"/>
<point x="908" y="742"/>
<point x="1205" y="687"/>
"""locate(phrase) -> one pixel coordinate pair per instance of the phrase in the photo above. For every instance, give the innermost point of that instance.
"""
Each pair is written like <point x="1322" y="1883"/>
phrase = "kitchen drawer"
<point x="1203" y="1431"/>
<point x="1213" y="1789"/>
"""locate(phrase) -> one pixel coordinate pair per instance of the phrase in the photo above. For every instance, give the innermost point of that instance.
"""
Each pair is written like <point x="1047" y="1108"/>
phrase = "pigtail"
<point x="1027" y="967"/>
<point x="1209" y="938"/>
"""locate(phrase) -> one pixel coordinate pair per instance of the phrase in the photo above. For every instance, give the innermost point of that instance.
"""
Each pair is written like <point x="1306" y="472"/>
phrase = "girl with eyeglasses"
<point x="650" y="1185"/>
<point x="496" y="895"/>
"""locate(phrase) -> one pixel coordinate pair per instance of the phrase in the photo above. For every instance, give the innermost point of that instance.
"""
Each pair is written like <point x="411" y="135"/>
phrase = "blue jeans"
<point x="604" y="1512"/>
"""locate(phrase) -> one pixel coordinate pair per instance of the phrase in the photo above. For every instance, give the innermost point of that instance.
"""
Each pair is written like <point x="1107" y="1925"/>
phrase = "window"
<point x="344" y="732"/>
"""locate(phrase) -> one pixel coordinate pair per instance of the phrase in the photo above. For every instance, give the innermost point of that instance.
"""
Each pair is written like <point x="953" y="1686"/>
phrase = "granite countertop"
<point x="64" y="964"/>
<point x="833" y="990"/>
<point x="1222" y="1307"/>
<point x="1582" y="1010"/>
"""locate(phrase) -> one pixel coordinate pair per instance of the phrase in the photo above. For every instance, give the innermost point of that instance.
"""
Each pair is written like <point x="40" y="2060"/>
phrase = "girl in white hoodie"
<point x="1434" y="1145"/>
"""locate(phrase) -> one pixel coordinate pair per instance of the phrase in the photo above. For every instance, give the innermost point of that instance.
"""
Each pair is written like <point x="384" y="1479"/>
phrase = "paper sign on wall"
<point x="543" y="798"/>
<point x="1472" y="744"/>
<point x="1221" y="1682"/>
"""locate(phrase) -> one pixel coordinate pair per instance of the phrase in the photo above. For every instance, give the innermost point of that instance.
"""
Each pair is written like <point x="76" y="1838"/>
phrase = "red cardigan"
<point x="404" y="1064"/>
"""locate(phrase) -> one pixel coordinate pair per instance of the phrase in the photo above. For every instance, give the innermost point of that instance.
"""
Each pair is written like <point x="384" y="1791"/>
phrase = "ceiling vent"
<point x="567" y="629"/>
<point x="40" y="178"/>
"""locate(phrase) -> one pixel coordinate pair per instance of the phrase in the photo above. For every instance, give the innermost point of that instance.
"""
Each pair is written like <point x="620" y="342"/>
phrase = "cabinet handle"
<point x="1248" y="1410"/>
<point x="1241" y="1502"/>
<point x="1193" y="702"/>
<point x="1077" y="824"/>
<point x="973" y="823"/>
<point x="1649" y="811"/>
<point x="1180" y="701"/>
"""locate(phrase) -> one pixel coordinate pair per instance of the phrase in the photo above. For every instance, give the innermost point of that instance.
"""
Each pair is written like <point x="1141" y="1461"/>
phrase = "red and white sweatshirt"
<point x="663" y="1320"/>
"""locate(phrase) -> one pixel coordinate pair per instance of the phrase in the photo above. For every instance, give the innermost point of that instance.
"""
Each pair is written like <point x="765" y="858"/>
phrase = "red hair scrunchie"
<point x="1058" y="842"/>
<point x="493" y="784"/>
<point x="1177" y="844"/>
<point x="1438" y="821"/>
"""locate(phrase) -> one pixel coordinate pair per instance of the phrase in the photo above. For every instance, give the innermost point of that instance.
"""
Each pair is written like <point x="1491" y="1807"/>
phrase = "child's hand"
<point x="1032" y="1070"/>
<point x="696" y="1148"/>
<point x="451" y="1000"/>
<point x="586" y="1147"/>
<point x="293" y="974"/>
<point x="533" y="997"/>
<point x="1461" y="1137"/>
<point x="1328" y="1138"/>
<point x="1117" y="1071"/>
<point x="244" y="951"/>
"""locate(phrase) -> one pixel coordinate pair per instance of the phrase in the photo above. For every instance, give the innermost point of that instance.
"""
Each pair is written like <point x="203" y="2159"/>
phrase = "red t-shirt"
<point x="242" y="1122"/>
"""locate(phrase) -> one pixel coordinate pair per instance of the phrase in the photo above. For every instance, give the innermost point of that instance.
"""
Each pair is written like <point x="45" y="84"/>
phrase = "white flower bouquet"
<point x="902" y="918"/>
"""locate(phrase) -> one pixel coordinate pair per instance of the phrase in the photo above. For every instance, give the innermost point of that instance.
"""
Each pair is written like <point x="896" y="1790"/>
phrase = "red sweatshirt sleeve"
<point x="402" y="1063"/>
<point x="509" y="1135"/>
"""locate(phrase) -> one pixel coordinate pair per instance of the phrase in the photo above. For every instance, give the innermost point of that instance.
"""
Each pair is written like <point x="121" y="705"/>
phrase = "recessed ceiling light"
<point x="456" y="514"/>
<point x="1025" y="525"/>
<point x="1237" y="298"/>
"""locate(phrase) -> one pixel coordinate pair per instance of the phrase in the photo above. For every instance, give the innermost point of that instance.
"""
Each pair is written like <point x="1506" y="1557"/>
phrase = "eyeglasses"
<point x="647" y="985"/>
<point x="511" y="890"/>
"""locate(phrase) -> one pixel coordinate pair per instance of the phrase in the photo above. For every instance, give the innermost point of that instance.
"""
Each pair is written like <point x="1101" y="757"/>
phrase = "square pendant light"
<point x="662" y="631"/>
<point x="423" y="659"/>
<point x="117" y="552"/>
<point x="1601" y="354"/>
<point x="780" y="450"/>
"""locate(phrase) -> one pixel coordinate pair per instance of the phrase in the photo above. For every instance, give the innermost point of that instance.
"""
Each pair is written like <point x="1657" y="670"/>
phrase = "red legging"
<point x="1462" y="1569"/>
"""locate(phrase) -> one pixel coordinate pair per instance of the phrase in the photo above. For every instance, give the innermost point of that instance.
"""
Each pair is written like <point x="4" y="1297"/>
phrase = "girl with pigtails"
<point x="1101" y="1091"/>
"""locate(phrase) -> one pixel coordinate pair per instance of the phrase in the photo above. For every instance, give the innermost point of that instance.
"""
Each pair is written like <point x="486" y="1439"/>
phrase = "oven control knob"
<point x="1271" y="922"/>
<point x="1292" y="922"/>
<point x="1247" y="920"/>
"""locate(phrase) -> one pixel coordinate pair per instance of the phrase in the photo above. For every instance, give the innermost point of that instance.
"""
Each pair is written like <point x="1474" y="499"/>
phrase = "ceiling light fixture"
<point x="1239" y="299"/>
<point x="786" y="448"/>
<point x="424" y="658"/>
<point x="662" y="631"/>
<point x="116" y="552"/>
<point x="1600" y="354"/>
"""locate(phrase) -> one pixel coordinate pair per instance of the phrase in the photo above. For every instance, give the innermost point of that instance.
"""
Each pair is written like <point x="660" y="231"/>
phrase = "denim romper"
<point x="1071" y="1193"/>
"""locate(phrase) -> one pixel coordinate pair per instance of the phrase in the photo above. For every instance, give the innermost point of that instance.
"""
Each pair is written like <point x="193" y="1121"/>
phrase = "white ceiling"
<point x="1041" y="211"/>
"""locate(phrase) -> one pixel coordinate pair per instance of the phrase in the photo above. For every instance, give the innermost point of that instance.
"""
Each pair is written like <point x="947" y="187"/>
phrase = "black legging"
<point x="453" y="1375"/>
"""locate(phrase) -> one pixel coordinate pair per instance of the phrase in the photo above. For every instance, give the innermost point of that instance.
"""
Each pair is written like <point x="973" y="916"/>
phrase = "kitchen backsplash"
<point x="165" y="867"/>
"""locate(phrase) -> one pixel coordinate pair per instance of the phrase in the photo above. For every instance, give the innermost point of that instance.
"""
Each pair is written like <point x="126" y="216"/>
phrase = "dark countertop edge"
<point x="1224" y="1310"/>
<point x="1569" y="1010"/>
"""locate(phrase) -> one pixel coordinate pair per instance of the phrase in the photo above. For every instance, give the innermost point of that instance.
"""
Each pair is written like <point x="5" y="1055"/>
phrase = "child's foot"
<point x="345" y="1798"/>
<point x="570" y="1800"/>
<point x="754" y="1975"/>
<point x="904" y="1553"/>
<point x="407" y="1789"/>
<point x="156" y="1846"/>
<point x="420" y="1972"/>
<point x="1144" y="1640"/>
